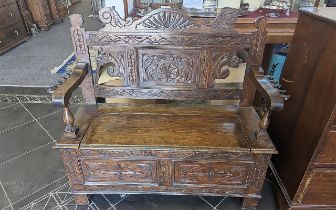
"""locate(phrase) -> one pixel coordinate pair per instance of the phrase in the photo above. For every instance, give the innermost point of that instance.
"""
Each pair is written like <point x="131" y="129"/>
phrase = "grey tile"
<point x="53" y="124"/>
<point x="31" y="173"/>
<point x="21" y="140"/>
<point x="267" y="202"/>
<point x="163" y="202"/>
<point x="39" y="110"/>
<point x="13" y="116"/>
<point x="3" y="200"/>
<point x="4" y="105"/>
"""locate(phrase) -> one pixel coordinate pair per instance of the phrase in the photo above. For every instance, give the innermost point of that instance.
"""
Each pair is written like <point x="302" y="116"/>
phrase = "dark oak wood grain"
<point x="303" y="133"/>
<point x="166" y="149"/>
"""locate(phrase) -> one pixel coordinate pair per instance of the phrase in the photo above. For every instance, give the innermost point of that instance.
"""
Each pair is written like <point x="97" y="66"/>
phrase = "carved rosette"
<point x="167" y="68"/>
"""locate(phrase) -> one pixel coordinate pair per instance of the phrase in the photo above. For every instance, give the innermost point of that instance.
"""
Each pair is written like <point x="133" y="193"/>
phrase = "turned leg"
<point x="250" y="203"/>
<point x="82" y="199"/>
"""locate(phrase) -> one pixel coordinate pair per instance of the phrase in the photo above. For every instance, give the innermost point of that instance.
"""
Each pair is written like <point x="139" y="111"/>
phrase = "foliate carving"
<point x="183" y="155"/>
<point x="165" y="175"/>
<point x="120" y="171"/>
<point x="167" y="68"/>
<point x="101" y="38"/>
<point x="210" y="173"/>
<point x="258" y="42"/>
<point x="225" y="19"/>
<point x="78" y="34"/>
<point x="131" y="56"/>
<point x="112" y="18"/>
<point x="223" y="60"/>
<point x="206" y="68"/>
<point x="167" y="19"/>
<point x="73" y="167"/>
<point x="221" y="191"/>
<point x="198" y="94"/>
<point x="115" y="62"/>
<point x="258" y="173"/>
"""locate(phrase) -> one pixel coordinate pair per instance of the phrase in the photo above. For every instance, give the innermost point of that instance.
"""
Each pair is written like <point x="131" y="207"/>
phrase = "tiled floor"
<point x="32" y="174"/>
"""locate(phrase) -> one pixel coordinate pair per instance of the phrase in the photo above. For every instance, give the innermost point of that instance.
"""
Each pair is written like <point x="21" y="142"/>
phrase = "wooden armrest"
<point x="274" y="100"/>
<point x="62" y="94"/>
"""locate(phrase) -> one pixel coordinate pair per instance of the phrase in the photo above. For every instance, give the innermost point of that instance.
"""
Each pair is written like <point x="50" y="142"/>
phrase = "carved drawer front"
<point x="12" y="34"/>
<point x="210" y="173"/>
<point x="8" y="15"/>
<point x="321" y="188"/>
<point x="168" y="68"/>
<point x="120" y="171"/>
<point x="328" y="154"/>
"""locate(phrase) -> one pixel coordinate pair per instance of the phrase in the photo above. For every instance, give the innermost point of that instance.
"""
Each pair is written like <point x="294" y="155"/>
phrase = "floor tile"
<point x="4" y="105"/>
<point x="163" y="202"/>
<point x="21" y="140"/>
<point x="13" y="116"/>
<point x="32" y="172"/>
<point x="53" y="124"/>
<point x="3" y="199"/>
<point x="39" y="110"/>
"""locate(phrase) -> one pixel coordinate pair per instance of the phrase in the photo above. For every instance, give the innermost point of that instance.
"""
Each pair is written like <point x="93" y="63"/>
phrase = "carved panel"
<point x="210" y="173"/>
<point x="167" y="68"/>
<point x="225" y="19"/>
<point x="120" y="171"/>
<point x="206" y="68"/>
<point x="193" y="190"/>
<point x="236" y="41"/>
<point x="154" y="154"/>
<point x="73" y="168"/>
<point x="192" y="94"/>
<point x="165" y="172"/>
<point x="120" y="62"/>
<point x="223" y="60"/>
<point x="78" y="34"/>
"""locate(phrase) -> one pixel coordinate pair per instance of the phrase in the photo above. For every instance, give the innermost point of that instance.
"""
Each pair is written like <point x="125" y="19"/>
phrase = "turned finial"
<point x="76" y="20"/>
<point x="70" y="130"/>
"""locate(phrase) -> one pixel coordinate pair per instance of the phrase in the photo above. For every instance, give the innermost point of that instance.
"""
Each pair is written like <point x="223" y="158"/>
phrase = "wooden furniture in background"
<point x="45" y="12"/>
<point x="167" y="149"/>
<point x="55" y="11"/>
<point x="12" y="28"/>
<point x="305" y="131"/>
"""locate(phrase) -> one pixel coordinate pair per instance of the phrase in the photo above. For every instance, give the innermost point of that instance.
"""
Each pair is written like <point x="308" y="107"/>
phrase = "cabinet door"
<point x="320" y="188"/>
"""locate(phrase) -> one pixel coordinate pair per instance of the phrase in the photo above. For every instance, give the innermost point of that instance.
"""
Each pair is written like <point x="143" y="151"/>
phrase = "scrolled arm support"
<point x="62" y="95"/>
<point x="273" y="99"/>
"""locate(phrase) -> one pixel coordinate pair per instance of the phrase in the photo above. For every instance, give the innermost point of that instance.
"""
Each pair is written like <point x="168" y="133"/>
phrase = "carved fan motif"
<point x="167" y="19"/>
<point x="167" y="68"/>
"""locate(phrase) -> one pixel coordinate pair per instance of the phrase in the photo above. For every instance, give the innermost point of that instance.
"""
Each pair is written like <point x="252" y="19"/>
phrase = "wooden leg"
<point x="82" y="199"/>
<point x="250" y="203"/>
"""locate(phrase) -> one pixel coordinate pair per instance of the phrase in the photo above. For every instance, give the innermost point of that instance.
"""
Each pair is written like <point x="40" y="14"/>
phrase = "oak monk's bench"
<point x="177" y="148"/>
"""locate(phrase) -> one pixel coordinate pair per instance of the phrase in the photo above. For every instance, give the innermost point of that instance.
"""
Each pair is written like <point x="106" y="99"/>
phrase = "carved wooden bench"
<point x="169" y="148"/>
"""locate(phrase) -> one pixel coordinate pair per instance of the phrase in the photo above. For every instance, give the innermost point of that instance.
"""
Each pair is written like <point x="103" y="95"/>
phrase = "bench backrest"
<point x="168" y="55"/>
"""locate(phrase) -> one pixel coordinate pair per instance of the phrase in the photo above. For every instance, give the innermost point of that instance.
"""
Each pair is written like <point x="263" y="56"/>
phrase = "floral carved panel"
<point x="167" y="68"/>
